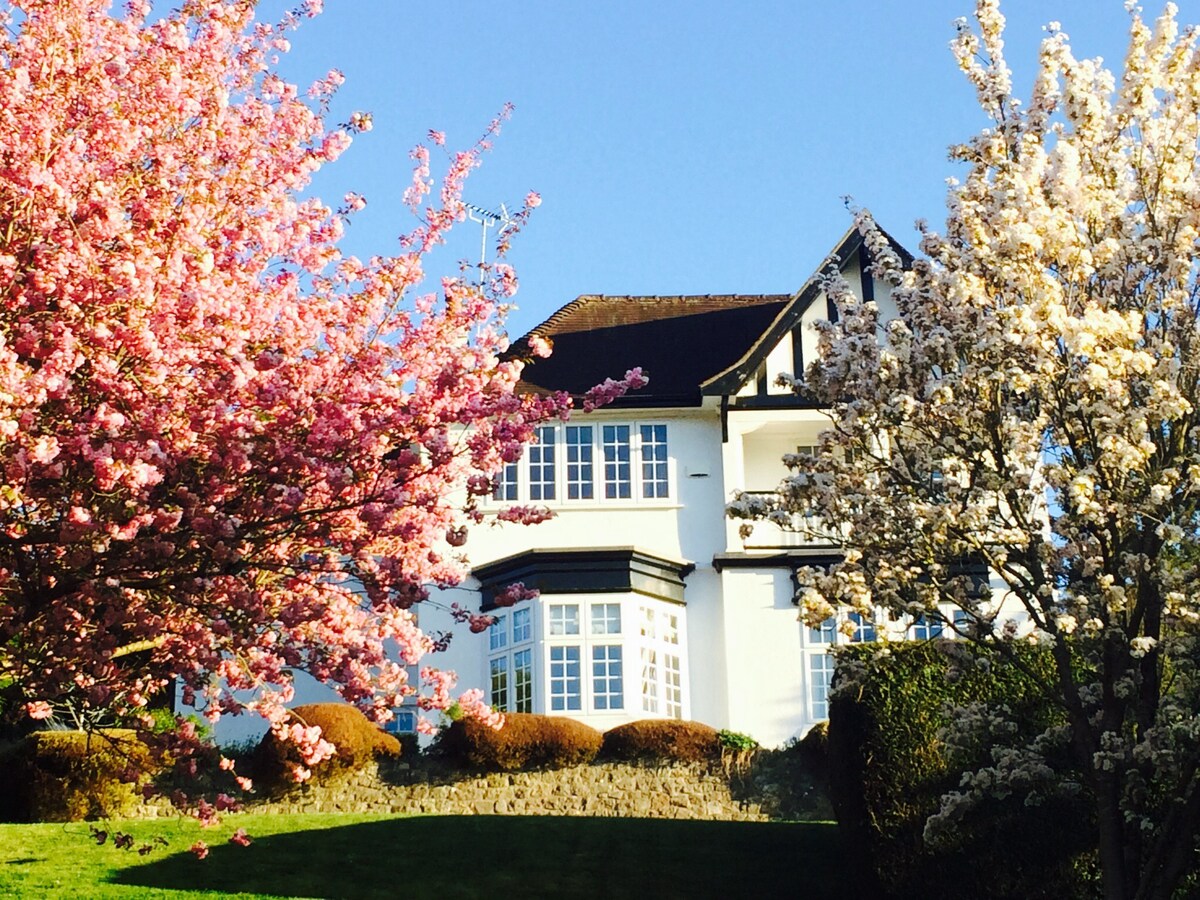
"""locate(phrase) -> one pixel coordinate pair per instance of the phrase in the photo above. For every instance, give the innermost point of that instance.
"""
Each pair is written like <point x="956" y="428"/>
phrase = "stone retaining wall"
<point x="604" y="789"/>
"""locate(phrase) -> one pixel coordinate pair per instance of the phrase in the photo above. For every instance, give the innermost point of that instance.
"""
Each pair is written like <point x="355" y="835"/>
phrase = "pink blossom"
<point x="44" y="449"/>
<point x="539" y="346"/>
<point x="515" y="593"/>
<point x="533" y="200"/>
<point x="240" y="838"/>
<point x="438" y="137"/>
<point x="38" y="709"/>
<point x="199" y="849"/>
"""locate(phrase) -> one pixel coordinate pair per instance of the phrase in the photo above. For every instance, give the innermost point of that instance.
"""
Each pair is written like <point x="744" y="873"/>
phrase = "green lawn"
<point x="435" y="857"/>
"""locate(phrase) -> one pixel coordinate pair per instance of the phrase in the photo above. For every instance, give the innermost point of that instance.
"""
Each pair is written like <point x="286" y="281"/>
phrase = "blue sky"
<point x="679" y="147"/>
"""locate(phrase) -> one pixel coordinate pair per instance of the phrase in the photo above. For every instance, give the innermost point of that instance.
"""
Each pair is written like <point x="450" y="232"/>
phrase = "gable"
<point x="789" y="344"/>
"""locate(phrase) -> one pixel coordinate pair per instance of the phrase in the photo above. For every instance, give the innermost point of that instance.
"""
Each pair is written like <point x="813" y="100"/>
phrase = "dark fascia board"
<point x="822" y="557"/>
<point x="586" y="570"/>
<point x="731" y="380"/>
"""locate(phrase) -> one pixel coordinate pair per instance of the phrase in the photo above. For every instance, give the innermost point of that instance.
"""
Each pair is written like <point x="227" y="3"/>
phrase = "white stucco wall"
<point x="764" y="685"/>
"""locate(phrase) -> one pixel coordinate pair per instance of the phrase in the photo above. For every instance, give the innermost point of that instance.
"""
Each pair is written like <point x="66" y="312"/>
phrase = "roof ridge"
<point x="565" y="313"/>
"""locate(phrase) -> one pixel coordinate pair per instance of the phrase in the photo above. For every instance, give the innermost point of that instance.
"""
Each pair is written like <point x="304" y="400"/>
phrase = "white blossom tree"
<point x="1034" y="409"/>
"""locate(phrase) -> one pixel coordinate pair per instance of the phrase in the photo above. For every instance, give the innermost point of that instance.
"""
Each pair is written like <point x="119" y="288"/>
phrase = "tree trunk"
<point x="1111" y="828"/>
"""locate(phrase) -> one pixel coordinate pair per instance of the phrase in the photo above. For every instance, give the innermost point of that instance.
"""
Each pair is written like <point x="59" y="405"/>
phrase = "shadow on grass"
<point x="530" y="856"/>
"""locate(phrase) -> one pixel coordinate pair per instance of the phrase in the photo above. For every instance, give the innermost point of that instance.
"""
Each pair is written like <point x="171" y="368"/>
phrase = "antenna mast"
<point x="487" y="219"/>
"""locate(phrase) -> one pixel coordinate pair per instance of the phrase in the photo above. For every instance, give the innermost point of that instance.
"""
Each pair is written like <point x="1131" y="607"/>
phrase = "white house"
<point x="651" y="604"/>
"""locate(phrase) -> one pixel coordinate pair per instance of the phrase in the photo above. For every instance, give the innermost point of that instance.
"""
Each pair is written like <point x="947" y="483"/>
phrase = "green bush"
<point x="70" y="776"/>
<point x="663" y="740"/>
<point x="888" y="769"/>
<point x="735" y="740"/>
<point x="524" y="741"/>
<point x="358" y="741"/>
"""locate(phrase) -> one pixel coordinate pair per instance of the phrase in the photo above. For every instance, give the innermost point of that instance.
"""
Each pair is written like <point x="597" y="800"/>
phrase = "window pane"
<point x="618" y="473"/>
<point x="581" y="475"/>
<point x="648" y="623"/>
<point x="606" y="618"/>
<point x="521" y="625"/>
<point x="927" y="627"/>
<point x="404" y="723"/>
<point x="564" y="618"/>
<point x="820" y="668"/>
<point x="541" y="465"/>
<point x="505" y="483"/>
<point x="607" y="690"/>
<point x="672" y="687"/>
<point x="497" y="636"/>
<point x="565" y="679"/>
<point x="654" y="460"/>
<point x="649" y="680"/>
<point x="864" y="628"/>
<point x="825" y="634"/>
<point x="670" y="629"/>
<point x="523" y="681"/>
<point x="499" y="683"/>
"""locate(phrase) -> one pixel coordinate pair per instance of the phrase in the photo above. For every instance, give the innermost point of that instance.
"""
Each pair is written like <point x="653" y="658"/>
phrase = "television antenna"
<point x="487" y="219"/>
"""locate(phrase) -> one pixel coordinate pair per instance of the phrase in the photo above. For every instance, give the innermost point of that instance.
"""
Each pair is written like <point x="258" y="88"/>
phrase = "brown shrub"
<point x="526" y="740"/>
<point x="358" y="741"/>
<point x="70" y="776"/>
<point x="666" y="740"/>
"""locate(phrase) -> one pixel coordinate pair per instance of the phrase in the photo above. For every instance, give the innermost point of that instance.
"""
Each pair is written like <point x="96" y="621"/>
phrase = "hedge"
<point x="888" y="769"/>
<point x="663" y="740"/>
<point x="526" y="740"/>
<point x="357" y="739"/>
<point x="71" y="776"/>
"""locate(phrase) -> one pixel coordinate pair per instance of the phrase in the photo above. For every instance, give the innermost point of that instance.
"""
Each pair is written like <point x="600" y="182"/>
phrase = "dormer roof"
<point x="679" y="342"/>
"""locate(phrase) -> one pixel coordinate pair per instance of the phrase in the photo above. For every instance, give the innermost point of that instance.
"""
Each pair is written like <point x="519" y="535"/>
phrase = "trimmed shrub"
<point x="662" y="740"/>
<point x="525" y="741"/>
<point x="814" y="750"/>
<point x="357" y="739"/>
<point x="888" y="769"/>
<point x="70" y="776"/>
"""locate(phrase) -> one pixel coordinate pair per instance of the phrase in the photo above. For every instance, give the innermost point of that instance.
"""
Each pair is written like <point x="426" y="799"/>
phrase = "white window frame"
<point x="653" y="491"/>
<point x="819" y="707"/>
<point x="662" y="686"/>
<point x="506" y="639"/>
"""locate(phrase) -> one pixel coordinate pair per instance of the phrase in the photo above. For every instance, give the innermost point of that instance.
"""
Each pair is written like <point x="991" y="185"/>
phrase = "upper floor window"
<point x="654" y="460"/>
<point x="578" y="463"/>
<point x="505" y="487"/>
<point x="580" y="472"/>
<point x="542" y="474"/>
<point x="618" y="474"/>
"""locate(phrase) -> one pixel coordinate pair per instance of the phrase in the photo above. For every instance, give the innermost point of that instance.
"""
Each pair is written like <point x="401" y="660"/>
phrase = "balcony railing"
<point x="802" y="531"/>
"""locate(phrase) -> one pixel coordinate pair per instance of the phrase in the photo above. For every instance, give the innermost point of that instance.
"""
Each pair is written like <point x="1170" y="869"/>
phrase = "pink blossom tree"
<point x="1033" y="411"/>
<point x="226" y="449"/>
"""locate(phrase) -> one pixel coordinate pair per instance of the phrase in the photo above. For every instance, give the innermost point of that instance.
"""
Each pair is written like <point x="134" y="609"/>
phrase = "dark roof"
<point x="679" y="342"/>
<point x="689" y="346"/>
